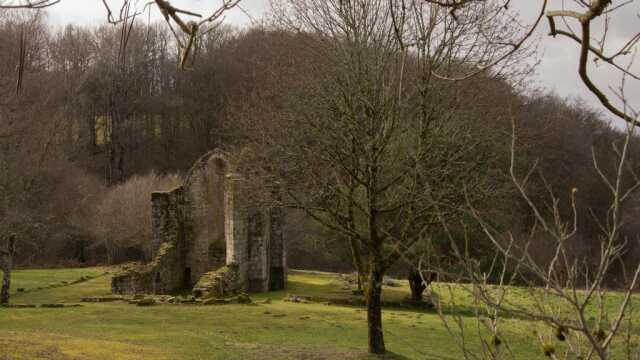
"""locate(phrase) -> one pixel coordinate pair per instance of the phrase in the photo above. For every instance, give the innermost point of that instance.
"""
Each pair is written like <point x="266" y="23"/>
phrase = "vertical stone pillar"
<point x="198" y="248"/>
<point x="236" y="236"/>
<point x="259" y="249"/>
<point x="278" y="250"/>
<point x="167" y="223"/>
<point x="159" y="220"/>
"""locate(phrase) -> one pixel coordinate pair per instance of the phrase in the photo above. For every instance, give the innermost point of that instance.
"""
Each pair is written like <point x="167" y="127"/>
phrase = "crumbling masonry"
<point x="207" y="239"/>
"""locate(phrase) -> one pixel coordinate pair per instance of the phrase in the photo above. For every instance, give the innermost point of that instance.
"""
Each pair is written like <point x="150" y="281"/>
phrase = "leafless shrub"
<point x="123" y="215"/>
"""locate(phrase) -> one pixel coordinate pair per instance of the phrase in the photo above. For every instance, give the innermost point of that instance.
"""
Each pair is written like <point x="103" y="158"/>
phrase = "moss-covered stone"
<point x="216" y="301"/>
<point x="243" y="298"/>
<point x="187" y="300"/>
<point x="147" y="302"/>
<point x="221" y="283"/>
<point x="160" y="276"/>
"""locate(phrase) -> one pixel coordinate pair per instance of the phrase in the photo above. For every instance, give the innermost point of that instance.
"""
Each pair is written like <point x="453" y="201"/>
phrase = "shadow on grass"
<point x="389" y="355"/>
<point x="330" y="290"/>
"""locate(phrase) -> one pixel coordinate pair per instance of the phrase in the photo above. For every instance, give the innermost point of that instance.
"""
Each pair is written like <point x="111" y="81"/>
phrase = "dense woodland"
<point x="103" y="116"/>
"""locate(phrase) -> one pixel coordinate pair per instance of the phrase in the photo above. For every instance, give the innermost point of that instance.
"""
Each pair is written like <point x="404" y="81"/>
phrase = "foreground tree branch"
<point x="28" y="4"/>
<point x="593" y="10"/>
<point x="129" y="10"/>
<point x="572" y="296"/>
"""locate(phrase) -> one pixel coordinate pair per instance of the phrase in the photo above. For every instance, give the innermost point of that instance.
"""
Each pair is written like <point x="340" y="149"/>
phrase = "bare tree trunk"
<point x="6" y="285"/>
<point x="356" y="259"/>
<point x="416" y="284"/>
<point x="356" y="254"/>
<point x="7" y="264"/>
<point x="374" y="309"/>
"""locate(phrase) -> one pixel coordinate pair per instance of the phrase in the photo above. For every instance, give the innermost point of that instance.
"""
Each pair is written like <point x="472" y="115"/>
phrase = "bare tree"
<point x="574" y="294"/>
<point x="189" y="31"/>
<point x="586" y="18"/>
<point x="122" y="216"/>
<point x="371" y="146"/>
<point x="27" y="4"/>
<point x="6" y="264"/>
<point x="587" y="310"/>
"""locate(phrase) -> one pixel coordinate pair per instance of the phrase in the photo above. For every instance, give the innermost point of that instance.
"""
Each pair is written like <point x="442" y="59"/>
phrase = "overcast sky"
<point x="557" y="71"/>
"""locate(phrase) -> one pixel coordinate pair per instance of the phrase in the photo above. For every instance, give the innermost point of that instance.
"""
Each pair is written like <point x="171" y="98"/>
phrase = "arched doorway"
<point x="207" y="215"/>
<point x="216" y="174"/>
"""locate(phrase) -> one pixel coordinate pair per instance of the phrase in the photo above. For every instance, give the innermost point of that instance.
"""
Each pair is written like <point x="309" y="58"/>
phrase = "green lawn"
<point x="279" y="330"/>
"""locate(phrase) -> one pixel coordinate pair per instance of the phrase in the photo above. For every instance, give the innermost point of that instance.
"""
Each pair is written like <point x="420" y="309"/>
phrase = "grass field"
<point x="277" y="330"/>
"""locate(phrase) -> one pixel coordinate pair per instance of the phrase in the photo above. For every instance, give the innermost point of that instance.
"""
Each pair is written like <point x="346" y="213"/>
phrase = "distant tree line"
<point x="99" y="109"/>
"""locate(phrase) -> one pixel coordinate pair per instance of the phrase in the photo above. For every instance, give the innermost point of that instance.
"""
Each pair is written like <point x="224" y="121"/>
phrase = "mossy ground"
<point x="277" y="330"/>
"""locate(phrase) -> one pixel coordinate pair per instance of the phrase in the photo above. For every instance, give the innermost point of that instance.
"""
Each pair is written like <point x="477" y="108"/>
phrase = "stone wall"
<point x="165" y="273"/>
<point x="204" y="228"/>
<point x="157" y="277"/>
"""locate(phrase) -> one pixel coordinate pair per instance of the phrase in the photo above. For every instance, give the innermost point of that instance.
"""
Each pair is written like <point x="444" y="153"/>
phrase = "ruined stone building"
<point x="206" y="238"/>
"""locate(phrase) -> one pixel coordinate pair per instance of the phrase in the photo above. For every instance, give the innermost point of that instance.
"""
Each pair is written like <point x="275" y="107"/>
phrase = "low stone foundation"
<point x="221" y="283"/>
<point x="156" y="277"/>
